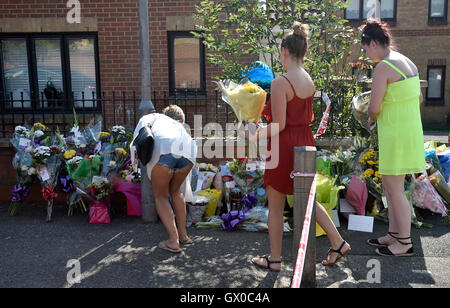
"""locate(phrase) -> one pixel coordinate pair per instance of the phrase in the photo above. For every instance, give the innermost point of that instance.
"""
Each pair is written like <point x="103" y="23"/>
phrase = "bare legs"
<point x="399" y="213"/>
<point x="336" y="240"/>
<point x="166" y="182"/>
<point x="276" y="206"/>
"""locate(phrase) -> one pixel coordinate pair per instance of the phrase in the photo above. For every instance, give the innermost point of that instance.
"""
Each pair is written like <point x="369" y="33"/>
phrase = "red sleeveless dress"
<point x="299" y="117"/>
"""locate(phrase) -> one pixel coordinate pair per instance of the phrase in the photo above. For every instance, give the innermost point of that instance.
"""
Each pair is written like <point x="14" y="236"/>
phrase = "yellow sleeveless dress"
<point x="400" y="133"/>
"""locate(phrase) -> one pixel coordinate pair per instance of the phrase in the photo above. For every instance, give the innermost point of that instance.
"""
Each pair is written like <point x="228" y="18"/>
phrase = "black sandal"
<point x="386" y="252"/>
<point x="338" y="251"/>
<point x="376" y="243"/>
<point x="269" y="263"/>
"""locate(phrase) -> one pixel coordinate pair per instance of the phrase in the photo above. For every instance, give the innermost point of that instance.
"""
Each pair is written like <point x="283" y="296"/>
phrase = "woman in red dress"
<point x="290" y="114"/>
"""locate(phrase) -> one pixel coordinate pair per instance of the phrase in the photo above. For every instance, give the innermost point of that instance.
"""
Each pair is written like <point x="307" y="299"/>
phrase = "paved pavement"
<point x="124" y="254"/>
<point x="438" y="136"/>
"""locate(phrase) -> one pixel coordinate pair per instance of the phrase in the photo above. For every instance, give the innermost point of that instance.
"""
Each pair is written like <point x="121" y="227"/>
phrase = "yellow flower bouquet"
<point x="370" y="164"/>
<point x="247" y="100"/>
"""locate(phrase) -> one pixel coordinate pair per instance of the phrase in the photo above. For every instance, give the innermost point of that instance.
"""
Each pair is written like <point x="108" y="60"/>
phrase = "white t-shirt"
<point x="171" y="137"/>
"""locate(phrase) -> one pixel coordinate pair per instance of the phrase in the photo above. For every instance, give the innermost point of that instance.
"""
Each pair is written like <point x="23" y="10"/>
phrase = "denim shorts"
<point x="174" y="162"/>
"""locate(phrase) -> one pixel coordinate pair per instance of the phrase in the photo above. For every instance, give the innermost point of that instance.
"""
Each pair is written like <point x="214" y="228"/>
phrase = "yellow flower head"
<point x="70" y="154"/>
<point x="121" y="151"/>
<point x="103" y="135"/>
<point x="40" y="126"/>
<point x="371" y="162"/>
<point x="378" y="175"/>
<point x="251" y="87"/>
<point x="368" y="173"/>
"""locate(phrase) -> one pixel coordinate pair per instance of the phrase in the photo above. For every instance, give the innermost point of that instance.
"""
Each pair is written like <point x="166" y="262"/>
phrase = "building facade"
<point x="49" y="57"/>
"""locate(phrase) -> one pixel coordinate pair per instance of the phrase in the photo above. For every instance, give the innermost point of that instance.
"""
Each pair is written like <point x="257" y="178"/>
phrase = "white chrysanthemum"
<point x="118" y="130"/>
<point x="32" y="171"/>
<point x="39" y="133"/>
<point x="75" y="160"/>
<point x="112" y="164"/>
<point x="22" y="131"/>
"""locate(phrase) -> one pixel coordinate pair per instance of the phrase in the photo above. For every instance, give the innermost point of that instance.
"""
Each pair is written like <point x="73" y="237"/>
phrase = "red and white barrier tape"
<point x="300" y="264"/>
<point x="323" y="124"/>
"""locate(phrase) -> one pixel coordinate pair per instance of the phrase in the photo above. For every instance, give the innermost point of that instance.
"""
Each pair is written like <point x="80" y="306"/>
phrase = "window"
<point x="436" y="84"/>
<point x="358" y="10"/>
<point x="186" y="63"/>
<point x="48" y="72"/>
<point x="438" y="10"/>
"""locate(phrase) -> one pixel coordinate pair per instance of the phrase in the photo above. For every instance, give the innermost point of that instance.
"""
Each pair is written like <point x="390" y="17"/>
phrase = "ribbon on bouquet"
<point x="324" y="122"/>
<point x="49" y="193"/>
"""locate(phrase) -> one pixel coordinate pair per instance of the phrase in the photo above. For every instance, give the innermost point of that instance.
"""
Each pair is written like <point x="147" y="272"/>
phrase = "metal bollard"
<point x="305" y="162"/>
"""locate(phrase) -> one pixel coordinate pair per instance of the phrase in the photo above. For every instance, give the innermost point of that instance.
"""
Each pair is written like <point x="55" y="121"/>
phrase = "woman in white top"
<point x="172" y="160"/>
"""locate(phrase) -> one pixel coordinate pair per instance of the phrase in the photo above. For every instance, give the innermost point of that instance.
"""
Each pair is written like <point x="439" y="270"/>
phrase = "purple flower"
<point x="67" y="184"/>
<point x="20" y="193"/>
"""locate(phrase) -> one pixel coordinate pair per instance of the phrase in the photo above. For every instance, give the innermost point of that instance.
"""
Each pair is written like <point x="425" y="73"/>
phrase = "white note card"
<point x="345" y="207"/>
<point x="44" y="174"/>
<point x="360" y="223"/>
<point x="23" y="142"/>
<point x="335" y="217"/>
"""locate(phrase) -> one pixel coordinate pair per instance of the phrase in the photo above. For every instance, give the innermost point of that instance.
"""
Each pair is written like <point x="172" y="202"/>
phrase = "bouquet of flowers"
<point x="23" y="166"/>
<point x="99" y="192"/>
<point x="247" y="100"/>
<point x="369" y="163"/>
<point x="130" y="186"/>
<point x="129" y="175"/>
<point x="113" y="160"/>
<point x="47" y="161"/>
<point x="68" y="185"/>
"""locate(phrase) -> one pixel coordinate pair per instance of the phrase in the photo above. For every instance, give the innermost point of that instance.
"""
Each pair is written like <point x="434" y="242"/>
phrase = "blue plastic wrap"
<point x="444" y="160"/>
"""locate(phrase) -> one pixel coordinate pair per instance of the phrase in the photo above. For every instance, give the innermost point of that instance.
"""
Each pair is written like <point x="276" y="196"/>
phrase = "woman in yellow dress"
<point x="395" y="106"/>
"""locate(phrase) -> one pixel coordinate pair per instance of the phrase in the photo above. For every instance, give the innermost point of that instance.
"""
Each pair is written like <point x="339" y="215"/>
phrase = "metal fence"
<point x="113" y="108"/>
<point x="122" y="108"/>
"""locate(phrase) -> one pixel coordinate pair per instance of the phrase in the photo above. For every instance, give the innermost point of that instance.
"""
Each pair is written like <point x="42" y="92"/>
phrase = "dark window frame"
<point x="173" y="91"/>
<point x="440" y="100"/>
<point x="35" y="98"/>
<point x="438" y="19"/>
<point x="361" y="13"/>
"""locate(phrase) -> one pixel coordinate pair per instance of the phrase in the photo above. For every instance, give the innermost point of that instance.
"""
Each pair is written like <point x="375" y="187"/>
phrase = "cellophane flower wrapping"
<point x="247" y="100"/>
<point x="113" y="150"/>
<point x="47" y="172"/>
<point x="360" y="107"/>
<point x="425" y="196"/>
<point x="23" y="166"/>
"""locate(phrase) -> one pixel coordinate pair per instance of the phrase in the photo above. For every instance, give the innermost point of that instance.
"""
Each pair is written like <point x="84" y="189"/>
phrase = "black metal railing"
<point x="122" y="108"/>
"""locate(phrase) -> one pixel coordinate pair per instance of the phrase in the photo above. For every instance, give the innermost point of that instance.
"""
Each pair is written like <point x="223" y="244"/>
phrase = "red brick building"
<point x="97" y="56"/>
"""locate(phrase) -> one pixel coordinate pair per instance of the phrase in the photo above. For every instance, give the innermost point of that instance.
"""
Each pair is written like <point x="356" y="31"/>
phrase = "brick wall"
<point x="117" y="24"/>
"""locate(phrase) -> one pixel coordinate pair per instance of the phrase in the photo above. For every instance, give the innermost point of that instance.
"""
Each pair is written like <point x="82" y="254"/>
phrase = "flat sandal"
<point x="269" y="264"/>
<point x="338" y="251"/>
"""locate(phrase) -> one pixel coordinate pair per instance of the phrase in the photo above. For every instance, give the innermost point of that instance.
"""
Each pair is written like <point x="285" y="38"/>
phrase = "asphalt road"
<point x="124" y="254"/>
